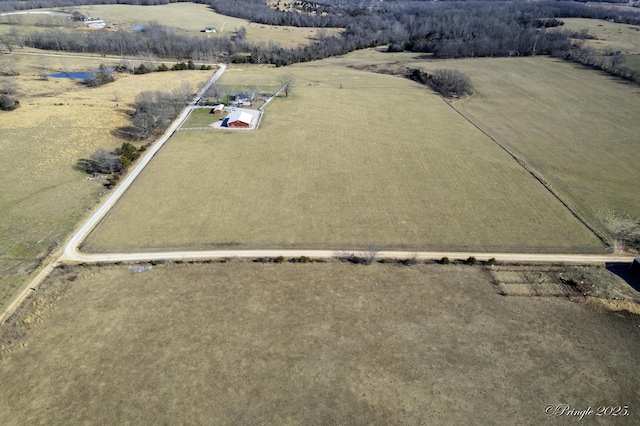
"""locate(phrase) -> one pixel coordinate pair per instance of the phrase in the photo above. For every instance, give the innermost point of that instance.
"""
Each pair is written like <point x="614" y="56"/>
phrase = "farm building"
<point x="218" y="109"/>
<point x="244" y="97"/>
<point x="239" y="119"/>
<point x="209" y="30"/>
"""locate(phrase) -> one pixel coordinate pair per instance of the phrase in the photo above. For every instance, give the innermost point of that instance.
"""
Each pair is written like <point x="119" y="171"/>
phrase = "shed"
<point x="240" y="119"/>
<point x="218" y="109"/>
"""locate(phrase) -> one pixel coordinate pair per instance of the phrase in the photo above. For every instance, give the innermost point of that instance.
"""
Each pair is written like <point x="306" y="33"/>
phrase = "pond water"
<point x="79" y="75"/>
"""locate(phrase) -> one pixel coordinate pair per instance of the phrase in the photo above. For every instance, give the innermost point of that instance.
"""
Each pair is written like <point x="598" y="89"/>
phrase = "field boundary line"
<point x="604" y="239"/>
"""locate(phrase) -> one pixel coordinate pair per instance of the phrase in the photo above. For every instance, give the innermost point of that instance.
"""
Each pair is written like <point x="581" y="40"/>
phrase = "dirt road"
<point x="71" y="254"/>
<point x="70" y="251"/>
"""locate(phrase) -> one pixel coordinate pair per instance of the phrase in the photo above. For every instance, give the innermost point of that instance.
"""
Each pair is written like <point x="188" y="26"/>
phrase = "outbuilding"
<point x="240" y="119"/>
<point x="218" y="109"/>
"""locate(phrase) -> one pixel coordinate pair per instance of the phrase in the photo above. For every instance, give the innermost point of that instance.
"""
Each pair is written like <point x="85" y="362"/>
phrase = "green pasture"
<point x="201" y="117"/>
<point x="350" y="159"/>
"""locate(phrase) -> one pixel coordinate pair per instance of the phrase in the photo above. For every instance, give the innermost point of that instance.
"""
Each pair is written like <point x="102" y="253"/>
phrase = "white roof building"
<point x="239" y="119"/>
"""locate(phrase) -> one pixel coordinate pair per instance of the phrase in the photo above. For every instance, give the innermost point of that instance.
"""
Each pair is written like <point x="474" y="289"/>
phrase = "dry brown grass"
<point x="59" y="121"/>
<point x="350" y="159"/>
<point x="576" y="127"/>
<point x="247" y="343"/>
<point x="191" y="18"/>
<point x="610" y="36"/>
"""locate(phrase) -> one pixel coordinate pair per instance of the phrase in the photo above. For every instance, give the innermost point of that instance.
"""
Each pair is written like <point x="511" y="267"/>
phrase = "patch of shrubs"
<point x="444" y="261"/>
<point x="112" y="163"/>
<point x="413" y="260"/>
<point x="180" y="66"/>
<point x="450" y="83"/>
<point x="8" y="104"/>
<point x="100" y="77"/>
<point x="142" y="69"/>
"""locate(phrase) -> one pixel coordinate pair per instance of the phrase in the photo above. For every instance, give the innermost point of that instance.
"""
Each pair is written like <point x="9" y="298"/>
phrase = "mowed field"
<point x="578" y="128"/>
<point x="333" y="343"/>
<point x="351" y="159"/>
<point x="42" y="196"/>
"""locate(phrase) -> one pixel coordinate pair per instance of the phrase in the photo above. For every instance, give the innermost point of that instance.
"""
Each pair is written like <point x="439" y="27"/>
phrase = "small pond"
<point x="79" y="75"/>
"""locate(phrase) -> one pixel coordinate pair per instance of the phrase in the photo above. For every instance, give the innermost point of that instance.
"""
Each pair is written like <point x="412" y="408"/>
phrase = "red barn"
<point x="240" y="119"/>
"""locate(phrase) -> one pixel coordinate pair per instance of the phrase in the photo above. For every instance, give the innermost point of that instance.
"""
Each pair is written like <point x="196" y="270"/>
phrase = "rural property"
<point x="261" y="212"/>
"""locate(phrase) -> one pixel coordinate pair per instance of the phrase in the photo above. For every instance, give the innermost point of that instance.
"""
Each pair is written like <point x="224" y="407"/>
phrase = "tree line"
<point x="153" y="111"/>
<point x="444" y="29"/>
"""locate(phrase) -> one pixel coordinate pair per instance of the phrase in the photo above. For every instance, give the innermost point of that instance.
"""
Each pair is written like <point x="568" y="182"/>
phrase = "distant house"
<point x="209" y="30"/>
<point x="244" y="97"/>
<point x="95" y="23"/>
<point x="239" y="119"/>
<point x="218" y="109"/>
<point x="87" y="20"/>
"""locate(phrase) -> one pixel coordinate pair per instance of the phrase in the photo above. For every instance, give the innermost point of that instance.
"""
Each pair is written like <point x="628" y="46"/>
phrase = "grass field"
<point x="42" y="197"/>
<point x="187" y="18"/>
<point x="633" y="61"/>
<point x="35" y="22"/>
<point x="610" y="36"/>
<point x="202" y="117"/>
<point x="578" y="128"/>
<point x="350" y="159"/>
<point x="247" y="343"/>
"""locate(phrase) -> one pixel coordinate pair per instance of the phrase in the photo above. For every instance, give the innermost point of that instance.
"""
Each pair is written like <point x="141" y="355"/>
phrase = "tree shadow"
<point x="128" y="133"/>
<point x="623" y="270"/>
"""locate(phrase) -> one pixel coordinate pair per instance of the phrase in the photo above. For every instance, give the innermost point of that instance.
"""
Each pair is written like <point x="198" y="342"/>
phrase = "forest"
<point x="443" y="29"/>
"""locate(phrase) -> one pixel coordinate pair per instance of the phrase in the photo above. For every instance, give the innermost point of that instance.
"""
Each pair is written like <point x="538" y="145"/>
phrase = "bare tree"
<point x="216" y="91"/>
<point x="43" y="65"/>
<point x="8" y="42"/>
<point x="450" y="83"/>
<point x="8" y="86"/>
<point x="101" y="161"/>
<point x="369" y="254"/>
<point x="287" y="83"/>
<point x="8" y="68"/>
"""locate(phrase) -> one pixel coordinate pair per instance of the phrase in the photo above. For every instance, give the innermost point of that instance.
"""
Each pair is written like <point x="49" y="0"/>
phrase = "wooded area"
<point x="443" y="29"/>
